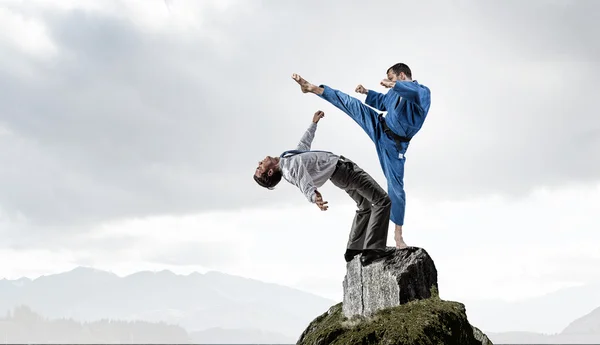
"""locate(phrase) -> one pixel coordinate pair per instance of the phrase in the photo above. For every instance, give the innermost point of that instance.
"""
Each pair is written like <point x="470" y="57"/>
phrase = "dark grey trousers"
<point x="370" y="226"/>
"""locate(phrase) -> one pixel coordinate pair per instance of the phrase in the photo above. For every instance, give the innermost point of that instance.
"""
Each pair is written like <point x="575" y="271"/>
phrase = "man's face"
<point x="266" y="165"/>
<point x="394" y="77"/>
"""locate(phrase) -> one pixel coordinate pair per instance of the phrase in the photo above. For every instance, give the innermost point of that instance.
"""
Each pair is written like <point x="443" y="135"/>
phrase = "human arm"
<point x="309" y="134"/>
<point x="408" y="90"/>
<point x="308" y="188"/>
<point x="319" y="201"/>
<point x="305" y="183"/>
<point x="374" y="99"/>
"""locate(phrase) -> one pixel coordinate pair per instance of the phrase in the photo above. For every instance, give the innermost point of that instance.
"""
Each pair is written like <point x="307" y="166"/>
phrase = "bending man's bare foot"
<point x="306" y="86"/>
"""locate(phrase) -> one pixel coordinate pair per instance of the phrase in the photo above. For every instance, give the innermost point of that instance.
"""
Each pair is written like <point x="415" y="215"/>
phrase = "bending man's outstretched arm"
<point x="308" y="188"/>
<point x="306" y="140"/>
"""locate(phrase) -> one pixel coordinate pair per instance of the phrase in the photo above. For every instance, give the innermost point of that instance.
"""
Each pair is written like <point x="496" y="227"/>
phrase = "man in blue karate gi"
<point x="407" y="103"/>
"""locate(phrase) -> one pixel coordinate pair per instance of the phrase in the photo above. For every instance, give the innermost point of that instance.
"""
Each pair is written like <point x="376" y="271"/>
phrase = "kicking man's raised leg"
<point x="307" y="87"/>
<point x="366" y="117"/>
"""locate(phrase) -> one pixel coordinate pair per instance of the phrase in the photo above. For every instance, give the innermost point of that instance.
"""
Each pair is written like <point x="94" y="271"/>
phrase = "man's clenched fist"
<point x="361" y="89"/>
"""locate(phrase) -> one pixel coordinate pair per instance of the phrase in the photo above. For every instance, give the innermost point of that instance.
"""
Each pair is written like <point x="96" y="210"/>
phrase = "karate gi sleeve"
<point x="408" y="90"/>
<point x="307" y="138"/>
<point x="375" y="100"/>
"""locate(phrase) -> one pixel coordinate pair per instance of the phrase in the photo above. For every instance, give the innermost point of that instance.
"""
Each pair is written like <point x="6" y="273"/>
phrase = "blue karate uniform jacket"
<point x="407" y="105"/>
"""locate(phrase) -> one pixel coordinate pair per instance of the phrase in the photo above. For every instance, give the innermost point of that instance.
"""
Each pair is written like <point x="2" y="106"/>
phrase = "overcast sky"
<point x="129" y="130"/>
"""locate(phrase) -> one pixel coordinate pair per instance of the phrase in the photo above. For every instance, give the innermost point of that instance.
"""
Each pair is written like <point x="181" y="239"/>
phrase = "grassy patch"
<point x="424" y="322"/>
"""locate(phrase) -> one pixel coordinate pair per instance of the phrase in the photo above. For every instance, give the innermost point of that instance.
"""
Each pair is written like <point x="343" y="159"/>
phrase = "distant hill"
<point x="584" y="330"/>
<point x="548" y="314"/>
<point x="587" y="324"/>
<point x="196" y="302"/>
<point x="23" y="326"/>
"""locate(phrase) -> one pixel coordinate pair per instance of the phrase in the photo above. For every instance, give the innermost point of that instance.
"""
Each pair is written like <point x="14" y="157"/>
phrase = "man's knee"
<point x="364" y="206"/>
<point x="383" y="201"/>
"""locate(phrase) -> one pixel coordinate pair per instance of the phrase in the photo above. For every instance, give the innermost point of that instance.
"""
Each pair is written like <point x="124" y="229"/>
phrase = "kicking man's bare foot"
<point x="306" y="86"/>
<point x="400" y="244"/>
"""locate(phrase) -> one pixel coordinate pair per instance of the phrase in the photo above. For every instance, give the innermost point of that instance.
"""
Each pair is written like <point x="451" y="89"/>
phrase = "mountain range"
<point x="220" y="308"/>
<point x="547" y="314"/>
<point x="584" y="330"/>
<point x="203" y="304"/>
<point x="567" y="316"/>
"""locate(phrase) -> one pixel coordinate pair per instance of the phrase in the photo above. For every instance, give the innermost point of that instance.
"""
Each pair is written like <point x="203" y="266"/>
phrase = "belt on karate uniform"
<point x="397" y="138"/>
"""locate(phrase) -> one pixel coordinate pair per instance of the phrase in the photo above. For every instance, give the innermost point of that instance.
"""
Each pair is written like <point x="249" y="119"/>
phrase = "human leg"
<point x="400" y="244"/>
<point x="356" y="238"/>
<point x="394" y="172"/>
<point x="364" y="116"/>
<point x="360" y="222"/>
<point x="369" y="229"/>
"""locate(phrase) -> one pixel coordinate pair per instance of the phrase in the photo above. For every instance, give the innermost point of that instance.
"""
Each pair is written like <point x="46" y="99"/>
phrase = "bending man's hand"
<point x="318" y="115"/>
<point x="319" y="201"/>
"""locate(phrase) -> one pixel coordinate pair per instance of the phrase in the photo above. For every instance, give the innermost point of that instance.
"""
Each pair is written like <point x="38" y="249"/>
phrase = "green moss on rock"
<point x="425" y="322"/>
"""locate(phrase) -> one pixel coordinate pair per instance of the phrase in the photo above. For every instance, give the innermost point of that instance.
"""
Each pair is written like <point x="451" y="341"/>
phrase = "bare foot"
<point x="306" y="86"/>
<point x="398" y="237"/>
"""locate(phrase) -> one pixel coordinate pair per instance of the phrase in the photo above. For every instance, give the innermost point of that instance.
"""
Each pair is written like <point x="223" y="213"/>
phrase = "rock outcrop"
<point x="407" y="275"/>
<point x="393" y="301"/>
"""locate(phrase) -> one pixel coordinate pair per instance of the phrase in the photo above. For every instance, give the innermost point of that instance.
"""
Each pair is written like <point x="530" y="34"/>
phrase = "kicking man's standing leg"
<point x="394" y="172"/>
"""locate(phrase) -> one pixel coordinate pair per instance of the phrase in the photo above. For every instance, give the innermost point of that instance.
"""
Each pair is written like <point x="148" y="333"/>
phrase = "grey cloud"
<point x="207" y="254"/>
<point x="542" y="29"/>
<point x="114" y="127"/>
<point x="520" y="110"/>
<point x="125" y="123"/>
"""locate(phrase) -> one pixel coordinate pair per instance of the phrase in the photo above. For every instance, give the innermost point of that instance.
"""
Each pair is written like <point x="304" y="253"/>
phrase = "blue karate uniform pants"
<point x="391" y="157"/>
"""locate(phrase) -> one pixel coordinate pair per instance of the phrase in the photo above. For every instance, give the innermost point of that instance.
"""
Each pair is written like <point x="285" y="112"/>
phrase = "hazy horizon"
<point x="128" y="131"/>
<point x="217" y="295"/>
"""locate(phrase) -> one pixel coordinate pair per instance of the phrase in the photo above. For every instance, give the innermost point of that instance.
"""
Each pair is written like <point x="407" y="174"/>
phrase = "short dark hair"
<point x="401" y="67"/>
<point x="267" y="181"/>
